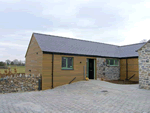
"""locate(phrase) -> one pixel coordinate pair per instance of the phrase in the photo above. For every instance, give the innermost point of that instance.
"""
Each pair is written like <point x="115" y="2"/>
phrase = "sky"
<point x="118" y="22"/>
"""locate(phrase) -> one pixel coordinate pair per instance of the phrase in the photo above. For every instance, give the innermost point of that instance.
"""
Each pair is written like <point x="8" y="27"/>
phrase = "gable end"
<point x="31" y="43"/>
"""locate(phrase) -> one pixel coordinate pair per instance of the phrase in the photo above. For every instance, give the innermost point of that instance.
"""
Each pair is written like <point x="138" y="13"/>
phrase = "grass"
<point x="20" y="69"/>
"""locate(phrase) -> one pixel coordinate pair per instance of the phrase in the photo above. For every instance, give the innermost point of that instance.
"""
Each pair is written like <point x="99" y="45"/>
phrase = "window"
<point x="116" y="62"/>
<point x="112" y="62"/>
<point x="67" y="63"/>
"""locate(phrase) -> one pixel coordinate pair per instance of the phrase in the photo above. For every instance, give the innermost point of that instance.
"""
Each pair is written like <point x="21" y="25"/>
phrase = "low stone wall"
<point x="144" y="67"/>
<point x="19" y="83"/>
<point x="107" y="72"/>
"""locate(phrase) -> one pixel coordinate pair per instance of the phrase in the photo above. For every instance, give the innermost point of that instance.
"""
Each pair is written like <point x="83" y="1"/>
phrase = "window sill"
<point x="67" y="69"/>
<point x="112" y="65"/>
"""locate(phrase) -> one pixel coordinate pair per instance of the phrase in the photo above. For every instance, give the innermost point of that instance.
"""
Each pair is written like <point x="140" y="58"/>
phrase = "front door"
<point x="91" y="68"/>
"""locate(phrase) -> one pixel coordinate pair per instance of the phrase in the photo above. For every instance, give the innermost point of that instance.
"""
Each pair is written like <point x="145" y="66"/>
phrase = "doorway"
<point x="91" y="68"/>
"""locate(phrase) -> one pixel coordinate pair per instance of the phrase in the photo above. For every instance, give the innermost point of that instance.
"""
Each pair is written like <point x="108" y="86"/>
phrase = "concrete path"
<point x="92" y="96"/>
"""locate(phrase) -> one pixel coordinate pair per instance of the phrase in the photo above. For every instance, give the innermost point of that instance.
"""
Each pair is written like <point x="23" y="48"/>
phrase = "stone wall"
<point x="107" y="72"/>
<point x="144" y="67"/>
<point x="19" y="83"/>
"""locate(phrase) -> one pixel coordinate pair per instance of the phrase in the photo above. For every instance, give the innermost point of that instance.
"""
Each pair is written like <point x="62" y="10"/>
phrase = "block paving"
<point x="92" y="96"/>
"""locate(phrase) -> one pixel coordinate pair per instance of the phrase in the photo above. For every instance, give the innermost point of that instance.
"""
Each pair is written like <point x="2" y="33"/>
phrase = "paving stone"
<point x="79" y="97"/>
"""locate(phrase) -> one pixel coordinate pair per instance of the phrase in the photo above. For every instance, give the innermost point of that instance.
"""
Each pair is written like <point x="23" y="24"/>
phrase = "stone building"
<point x="144" y="66"/>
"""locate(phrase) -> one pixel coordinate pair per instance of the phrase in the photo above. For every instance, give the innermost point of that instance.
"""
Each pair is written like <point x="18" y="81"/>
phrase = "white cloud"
<point x="63" y="33"/>
<point x="10" y="1"/>
<point x="61" y="8"/>
<point x="11" y="44"/>
<point x="11" y="57"/>
<point x="2" y="49"/>
<point x="136" y="33"/>
<point x="85" y="22"/>
<point x="114" y="22"/>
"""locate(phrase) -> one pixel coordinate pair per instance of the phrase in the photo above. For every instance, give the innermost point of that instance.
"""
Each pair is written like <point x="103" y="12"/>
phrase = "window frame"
<point x="113" y="62"/>
<point x="67" y="68"/>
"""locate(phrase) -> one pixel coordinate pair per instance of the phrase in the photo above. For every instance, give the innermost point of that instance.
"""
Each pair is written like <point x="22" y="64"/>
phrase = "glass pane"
<point x="111" y="62"/>
<point x="63" y="62"/>
<point x="116" y="62"/>
<point x="107" y="61"/>
<point x="91" y="65"/>
<point x="70" y="60"/>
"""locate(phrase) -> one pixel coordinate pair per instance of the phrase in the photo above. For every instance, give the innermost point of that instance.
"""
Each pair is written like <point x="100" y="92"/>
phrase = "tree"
<point x="19" y="63"/>
<point x="2" y="63"/>
<point x="23" y="63"/>
<point x="12" y="63"/>
<point x="16" y="61"/>
<point x="144" y="40"/>
<point x="8" y="62"/>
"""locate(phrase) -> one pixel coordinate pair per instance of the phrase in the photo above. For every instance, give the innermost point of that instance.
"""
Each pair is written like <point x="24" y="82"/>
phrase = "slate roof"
<point x="130" y="50"/>
<point x="57" y="44"/>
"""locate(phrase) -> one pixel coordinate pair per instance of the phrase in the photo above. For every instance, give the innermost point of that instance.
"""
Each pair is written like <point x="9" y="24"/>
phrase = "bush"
<point x="2" y="63"/>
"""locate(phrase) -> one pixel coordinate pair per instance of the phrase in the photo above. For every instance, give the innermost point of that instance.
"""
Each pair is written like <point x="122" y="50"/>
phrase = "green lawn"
<point x="20" y="69"/>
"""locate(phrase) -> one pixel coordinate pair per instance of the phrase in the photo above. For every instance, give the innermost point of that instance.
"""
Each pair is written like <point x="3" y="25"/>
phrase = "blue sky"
<point x="109" y="21"/>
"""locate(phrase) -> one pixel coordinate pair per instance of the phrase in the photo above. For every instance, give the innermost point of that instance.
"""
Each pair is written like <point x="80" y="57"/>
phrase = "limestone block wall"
<point x="19" y="83"/>
<point x="107" y="72"/>
<point x="144" y="67"/>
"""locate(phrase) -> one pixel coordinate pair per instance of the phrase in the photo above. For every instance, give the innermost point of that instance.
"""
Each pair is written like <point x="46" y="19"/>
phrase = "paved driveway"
<point x="80" y="97"/>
